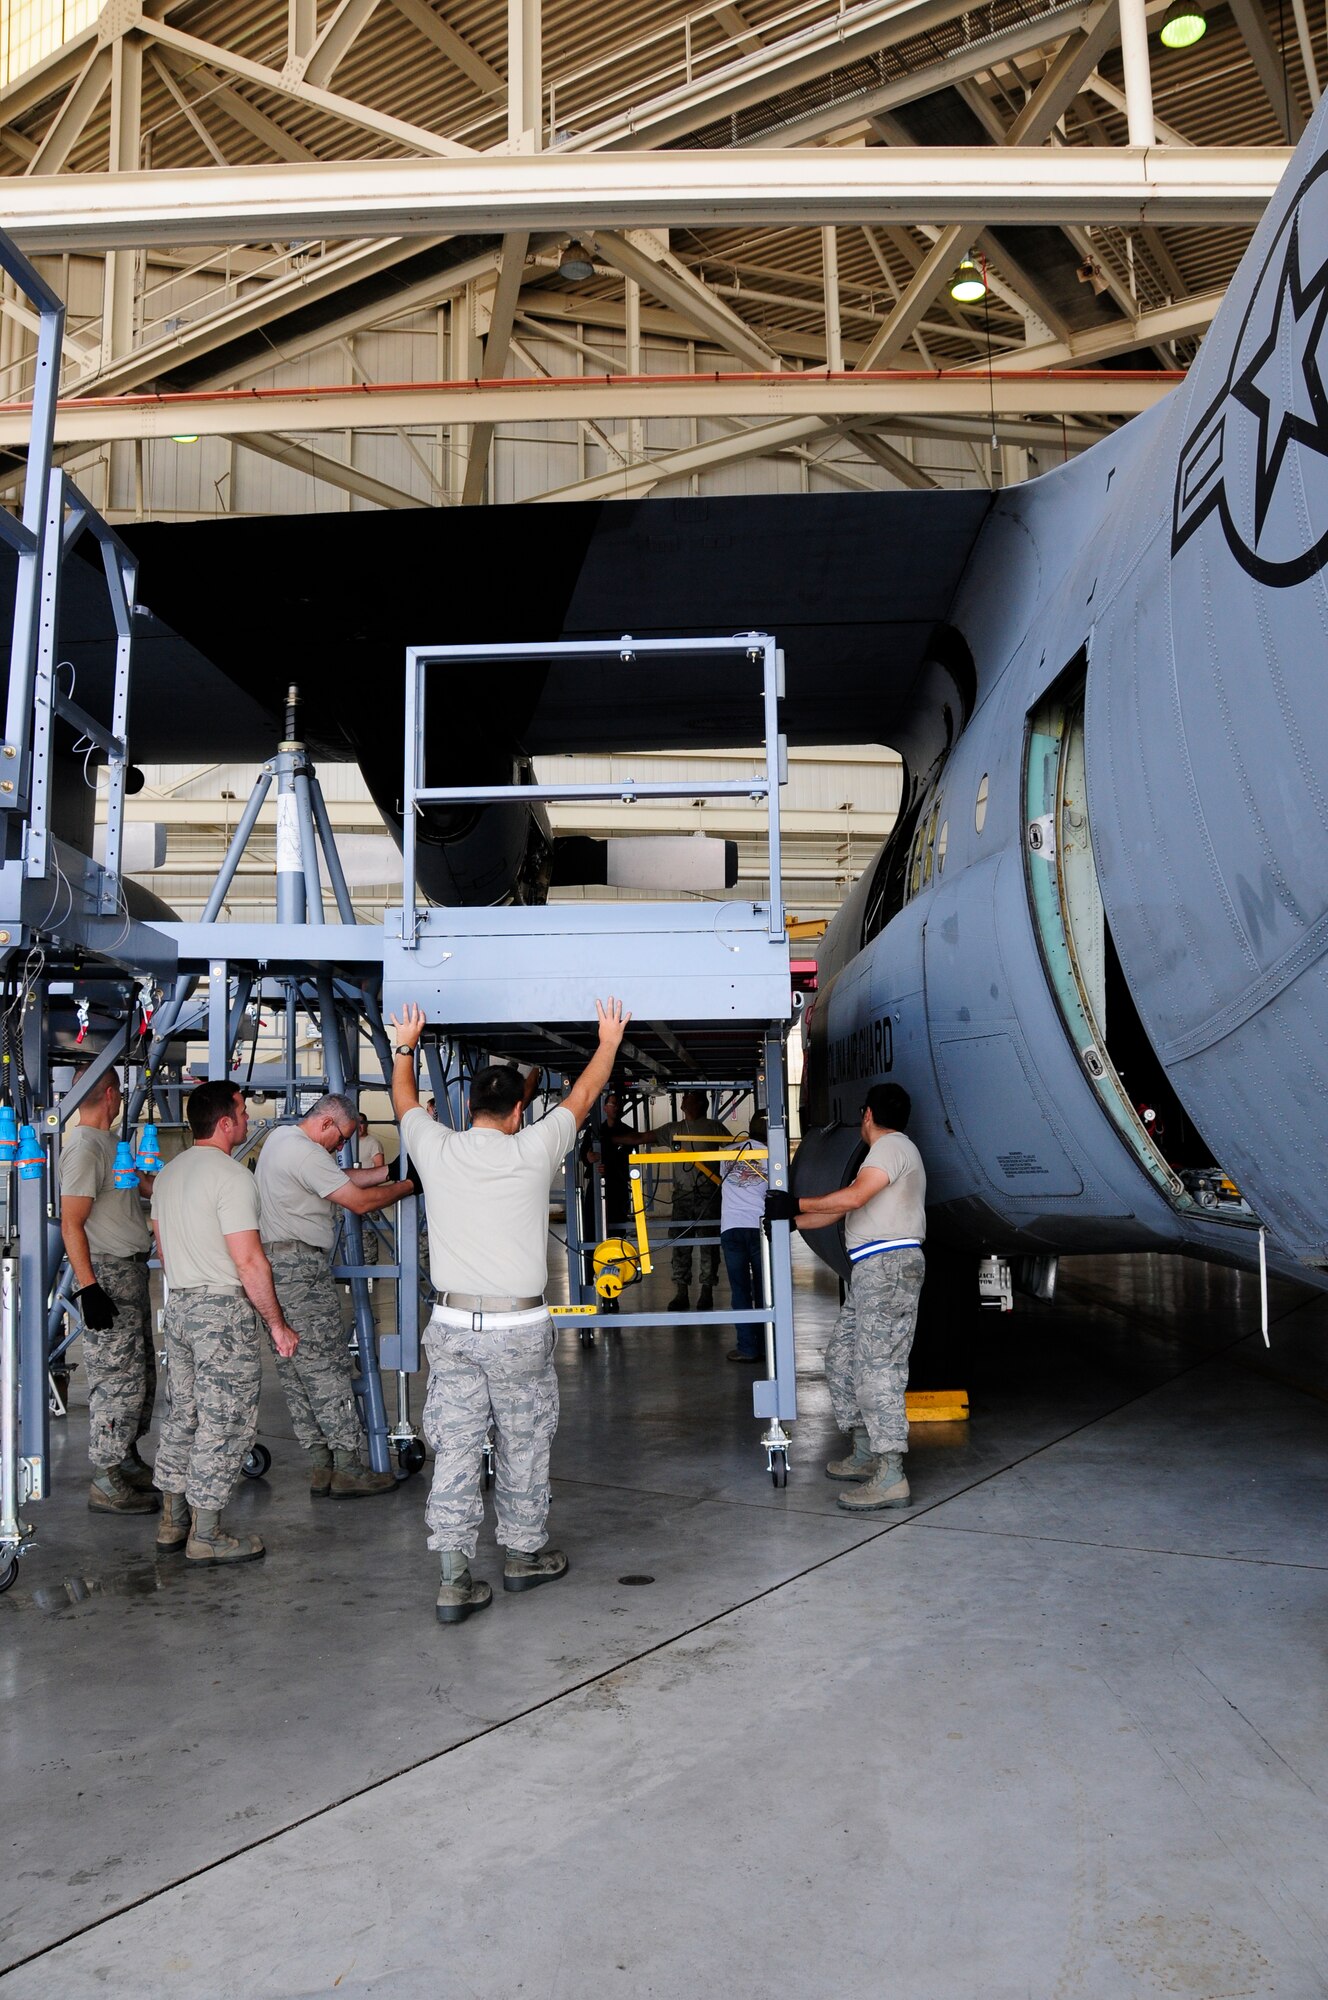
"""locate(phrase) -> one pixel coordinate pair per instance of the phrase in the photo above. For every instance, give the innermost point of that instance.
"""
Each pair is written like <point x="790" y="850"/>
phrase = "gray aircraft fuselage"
<point x="1094" y="949"/>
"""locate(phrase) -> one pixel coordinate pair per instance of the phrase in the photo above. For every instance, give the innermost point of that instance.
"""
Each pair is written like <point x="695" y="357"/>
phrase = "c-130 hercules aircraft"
<point x="1093" y="949"/>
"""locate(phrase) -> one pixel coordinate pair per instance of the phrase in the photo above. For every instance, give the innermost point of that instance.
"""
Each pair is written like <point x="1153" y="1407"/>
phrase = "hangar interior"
<point x="1055" y="1729"/>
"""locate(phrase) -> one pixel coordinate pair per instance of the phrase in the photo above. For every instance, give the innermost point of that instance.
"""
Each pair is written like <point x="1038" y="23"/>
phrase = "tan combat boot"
<point x="136" y="1471"/>
<point x="527" y="1572"/>
<point x="320" y="1471"/>
<point x="887" y="1487"/>
<point x="209" y="1544"/>
<point x="173" y="1527"/>
<point x="460" y="1593"/>
<point x="861" y="1461"/>
<point x="111" y="1493"/>
<point x="352" y="1479"/>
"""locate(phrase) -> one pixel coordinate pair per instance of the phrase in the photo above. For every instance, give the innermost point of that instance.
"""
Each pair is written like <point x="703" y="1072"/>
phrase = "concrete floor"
<point x="1056" y="1733"/>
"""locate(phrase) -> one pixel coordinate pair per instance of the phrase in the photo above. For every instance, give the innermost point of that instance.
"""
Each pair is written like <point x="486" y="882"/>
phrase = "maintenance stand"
<point x="708" y="984"/>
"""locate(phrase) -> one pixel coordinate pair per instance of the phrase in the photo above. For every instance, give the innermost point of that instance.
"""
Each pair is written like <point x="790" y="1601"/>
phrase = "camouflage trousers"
<point x="317" y="1378"/>
<point x="696" y="1211"/>
<point x="121" y="1364"/>
<point x="866" y="1361"/>
<point x="506" y="1373"/>
<point x="213" y="1375"/>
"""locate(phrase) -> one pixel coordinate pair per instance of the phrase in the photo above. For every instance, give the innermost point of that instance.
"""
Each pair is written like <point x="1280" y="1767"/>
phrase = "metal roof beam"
<point x="502" y="312"/>
<point x="1057" y="89"/>
<point x="1182" y="321"/>
<point x="238" y="109"/>
<point x="901" y="468"/>
<point x="409" y="299"/>
<point x="336" y="41"/>
<point x="1270" y="67"/>
<point x="841" y="37"/>
<point x="192" y="118"/>
<point x="330" y="471"/>
<point x="254" y="309"/>
<point x="843" y="398"/>
<point x="630" y="481"/>
<point x="287" y="83"/>
<point x="66" y="128"/>
<point x="670" y="281"/>
<point x="972" y="186"/>
<point x="458" y="52"/>
<point x="969" y="60"/>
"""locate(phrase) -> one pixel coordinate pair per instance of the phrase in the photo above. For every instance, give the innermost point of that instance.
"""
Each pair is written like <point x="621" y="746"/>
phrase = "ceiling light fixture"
<point x="1090" y="273"/>
<point x="968" y="284"/>
<point x="185" y="437"/>
<point x="1184" y="24"/>
<point x="575" y="264"/>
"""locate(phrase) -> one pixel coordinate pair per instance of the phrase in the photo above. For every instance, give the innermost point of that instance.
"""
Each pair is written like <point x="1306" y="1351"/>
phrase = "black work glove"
<point x="97" y="1308"/>
<point x="412" y="1183"/>
<point x="780" y="1206"/>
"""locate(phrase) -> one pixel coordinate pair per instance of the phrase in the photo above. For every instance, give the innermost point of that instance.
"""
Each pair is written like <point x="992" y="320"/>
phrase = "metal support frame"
<point x="485" y="976"/>
<point x="754" y="647"/>
<point x="316" y="984"/>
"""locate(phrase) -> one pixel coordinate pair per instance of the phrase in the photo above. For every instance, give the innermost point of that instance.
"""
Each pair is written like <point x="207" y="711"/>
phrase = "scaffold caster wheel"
<point x="779" y="1467"/>
<point x="257" y="1462"/>
<point x="410" y="1457"/>
<point x="587" y="1335"/>
<point x="8" y="1572"/>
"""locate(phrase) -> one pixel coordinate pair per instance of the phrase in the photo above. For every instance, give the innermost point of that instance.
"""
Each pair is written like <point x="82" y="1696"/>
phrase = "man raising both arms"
<point x="490" y="1340"/>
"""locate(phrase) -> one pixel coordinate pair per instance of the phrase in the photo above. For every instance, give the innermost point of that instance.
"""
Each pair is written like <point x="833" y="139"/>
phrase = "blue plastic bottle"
<point x="31" y="1158"/>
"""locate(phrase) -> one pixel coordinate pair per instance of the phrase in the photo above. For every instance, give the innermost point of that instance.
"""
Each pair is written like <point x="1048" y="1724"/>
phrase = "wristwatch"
<point x="402" y="1050"/>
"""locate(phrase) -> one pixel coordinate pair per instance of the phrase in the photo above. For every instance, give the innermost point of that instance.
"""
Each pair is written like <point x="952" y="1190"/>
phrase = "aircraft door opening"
<point x="1084" y="969"/>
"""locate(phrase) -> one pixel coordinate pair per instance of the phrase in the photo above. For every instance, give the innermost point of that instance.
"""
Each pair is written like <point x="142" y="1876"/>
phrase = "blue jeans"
<point x="742" y="1261"/>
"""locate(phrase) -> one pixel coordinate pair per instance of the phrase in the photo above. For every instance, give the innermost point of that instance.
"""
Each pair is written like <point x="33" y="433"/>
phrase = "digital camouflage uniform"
<point x="695" y="1211"/>
<point x="507" y="1370"/>
<point x="213" y="1376"/>
<point x="317" y="1377"/>
<point x="866" y="1361"/>
<point x="121" y="1364"/>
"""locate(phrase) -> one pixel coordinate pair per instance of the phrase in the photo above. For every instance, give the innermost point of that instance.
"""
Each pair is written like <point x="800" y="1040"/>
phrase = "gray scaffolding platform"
<point x="708" y="985"/>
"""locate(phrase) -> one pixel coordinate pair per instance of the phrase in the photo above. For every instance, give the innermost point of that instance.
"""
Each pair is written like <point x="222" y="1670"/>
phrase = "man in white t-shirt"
<point x="866" y="1362"/>
<point x="490" y="1339"/>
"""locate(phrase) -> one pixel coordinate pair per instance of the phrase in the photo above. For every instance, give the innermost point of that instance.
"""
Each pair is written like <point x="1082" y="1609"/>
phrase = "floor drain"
<point x="636" y="1579"/>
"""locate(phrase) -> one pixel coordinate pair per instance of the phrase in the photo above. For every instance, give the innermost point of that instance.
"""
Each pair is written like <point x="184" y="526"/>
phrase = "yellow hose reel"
<point x="616" y="1263"/>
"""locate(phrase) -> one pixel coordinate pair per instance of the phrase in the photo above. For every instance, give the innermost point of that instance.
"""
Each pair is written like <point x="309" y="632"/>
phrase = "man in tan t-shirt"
<point x="866" y="1361"/>
<point x="205" y="1214"/>
<point x="107" y="1240"/>
<point x="490" y="1338"/>
<point x="301" y="1185"/>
